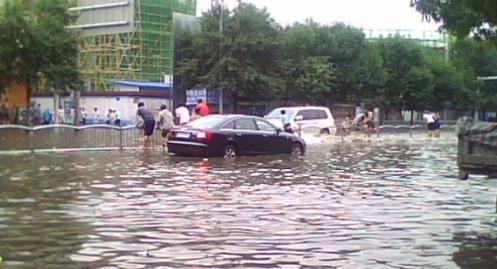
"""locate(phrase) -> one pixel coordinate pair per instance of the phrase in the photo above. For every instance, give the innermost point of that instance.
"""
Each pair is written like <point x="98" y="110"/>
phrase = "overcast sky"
<point x="367" y="14"/>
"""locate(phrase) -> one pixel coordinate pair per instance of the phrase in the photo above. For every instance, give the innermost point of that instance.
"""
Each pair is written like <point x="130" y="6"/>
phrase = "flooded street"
<point x="394" y="203"/>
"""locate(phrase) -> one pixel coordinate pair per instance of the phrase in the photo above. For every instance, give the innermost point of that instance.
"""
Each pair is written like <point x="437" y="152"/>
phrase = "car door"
<point x="308" y="118"/>
<point x="322" y="119"/>
<point x="273" y="141"/>
<point x="247" y="137"/>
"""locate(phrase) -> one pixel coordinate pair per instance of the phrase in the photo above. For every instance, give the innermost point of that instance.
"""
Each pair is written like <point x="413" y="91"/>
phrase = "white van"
<point x="303" y="117"/>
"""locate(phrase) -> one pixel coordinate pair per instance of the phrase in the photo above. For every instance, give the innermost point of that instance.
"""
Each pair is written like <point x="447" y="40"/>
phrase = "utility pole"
<point x="221" y="99"/>
<point x="447" y="48"/>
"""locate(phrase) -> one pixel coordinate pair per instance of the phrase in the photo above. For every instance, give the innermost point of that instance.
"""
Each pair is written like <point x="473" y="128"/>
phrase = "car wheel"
<point x="229" y="152"/>
<point x="325" y="131"/>
<point x="297" y="149"/>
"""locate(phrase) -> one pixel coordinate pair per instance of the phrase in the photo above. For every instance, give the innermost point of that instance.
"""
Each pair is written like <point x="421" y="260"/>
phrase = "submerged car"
<point x="232" y="135"/>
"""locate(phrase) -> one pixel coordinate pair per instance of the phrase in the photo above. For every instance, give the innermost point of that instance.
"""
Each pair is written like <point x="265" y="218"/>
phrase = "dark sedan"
<point x="232" y="135"/>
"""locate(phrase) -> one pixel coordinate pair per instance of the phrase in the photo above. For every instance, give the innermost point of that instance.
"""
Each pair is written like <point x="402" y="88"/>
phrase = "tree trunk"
<point x="412" y="117"/>
<point x="77" y="111"/>
<point x="56" y="102"/>
<point x="29" y="116"/>
<point x="235" y="103"/>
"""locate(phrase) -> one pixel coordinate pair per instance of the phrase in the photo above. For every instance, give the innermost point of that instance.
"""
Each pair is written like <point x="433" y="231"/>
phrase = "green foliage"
<point x="35" y="48"/>
<point x="419" y="78"/>
<point x="320" y="64"/>
<point x="462" y="17"/>
<point x="477" y="59"/>
<point x="315" y="75"/>
<point x="449" y="88"/>
<point x="241" y="58"/>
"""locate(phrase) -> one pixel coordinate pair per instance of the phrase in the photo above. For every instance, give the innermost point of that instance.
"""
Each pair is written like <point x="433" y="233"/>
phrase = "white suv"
<point x="303" y="117"/>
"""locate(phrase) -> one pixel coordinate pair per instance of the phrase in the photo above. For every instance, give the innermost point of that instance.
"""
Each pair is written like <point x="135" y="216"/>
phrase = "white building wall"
<point x="126" y="106"/>
<point x="45" y="102"/>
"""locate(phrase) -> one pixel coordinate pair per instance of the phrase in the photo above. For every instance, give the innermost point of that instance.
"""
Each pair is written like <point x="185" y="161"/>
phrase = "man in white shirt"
<point x="96" y="116"/>
<point x="430" y="120"/>
<point x="117" y="120"/>
<point x="166" y="123"/>
<point x="182" y="114"/>
<point x="60" y="115"/>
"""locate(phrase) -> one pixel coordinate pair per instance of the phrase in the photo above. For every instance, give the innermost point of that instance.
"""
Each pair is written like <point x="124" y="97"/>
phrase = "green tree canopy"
<point x="35" y="48"/>
<point x="244" y="58"/>
<point x="408" y="79"/>
<point x="477" y="59"/>
<point x="353" y="69"/>
<point x="462" y="17"/>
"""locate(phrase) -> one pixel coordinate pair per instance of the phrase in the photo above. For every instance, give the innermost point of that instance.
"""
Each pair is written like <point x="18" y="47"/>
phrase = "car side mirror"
<point x="278" y="131"/>
<point x="299" y="118"/>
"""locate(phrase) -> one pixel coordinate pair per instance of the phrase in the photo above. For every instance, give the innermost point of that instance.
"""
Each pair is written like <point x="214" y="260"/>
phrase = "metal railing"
<point x="61" y="137"/>
<point x="99" y="137"/>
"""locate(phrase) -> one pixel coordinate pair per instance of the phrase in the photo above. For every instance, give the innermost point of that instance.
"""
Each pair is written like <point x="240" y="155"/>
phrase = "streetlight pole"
<point x="476" y="115"/>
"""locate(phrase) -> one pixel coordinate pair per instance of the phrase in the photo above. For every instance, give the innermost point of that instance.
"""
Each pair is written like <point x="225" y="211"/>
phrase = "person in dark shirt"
<point x="148" y="123"/>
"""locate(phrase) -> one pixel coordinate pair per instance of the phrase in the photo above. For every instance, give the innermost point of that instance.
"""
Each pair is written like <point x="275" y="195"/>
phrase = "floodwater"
<point x="394" y="203"/>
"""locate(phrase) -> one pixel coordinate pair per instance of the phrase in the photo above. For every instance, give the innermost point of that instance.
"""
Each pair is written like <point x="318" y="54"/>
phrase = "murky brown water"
<point x="392" y="204"/>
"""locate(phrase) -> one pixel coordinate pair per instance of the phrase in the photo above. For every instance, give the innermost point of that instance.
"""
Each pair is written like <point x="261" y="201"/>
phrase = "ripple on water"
<point x="352" y="205"/>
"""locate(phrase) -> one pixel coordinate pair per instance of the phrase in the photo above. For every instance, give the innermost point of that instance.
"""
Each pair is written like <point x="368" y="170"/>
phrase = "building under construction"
<point x="127" y="40"/>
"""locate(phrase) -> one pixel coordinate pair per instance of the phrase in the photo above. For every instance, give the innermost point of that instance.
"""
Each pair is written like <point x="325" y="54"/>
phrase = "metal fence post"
<point x="121" y="137"/>
<point x="31" y="143"/>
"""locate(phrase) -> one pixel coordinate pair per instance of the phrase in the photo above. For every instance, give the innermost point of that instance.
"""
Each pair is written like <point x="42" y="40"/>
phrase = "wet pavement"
<point x="394" y="203"/>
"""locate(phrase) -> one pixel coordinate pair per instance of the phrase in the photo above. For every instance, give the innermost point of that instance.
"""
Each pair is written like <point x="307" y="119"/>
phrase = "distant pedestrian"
<point x="437" y="125"/>
<point x="117" y="117"/>
<point x="37" y="115"/>
<point x="96" y="116"/>
<point x="148" y="123"/>
<point x="166" y="123"/>
<point x="182" y="114"/>
<point x="47" y="116"/>
<point x="430" y="123"/>
<point x="370" y="128"/>
<point x="359" y="121"/>
<point x="110" y="116"/>
<point x="204" y="109"/>
<point x="60" y="115"/>
<point x="196" y="115"/>
<point x="84" y="115"/>
<point x="433" y="123"/>
<point x="347" y="125"/>
<point x="4" y="114"/>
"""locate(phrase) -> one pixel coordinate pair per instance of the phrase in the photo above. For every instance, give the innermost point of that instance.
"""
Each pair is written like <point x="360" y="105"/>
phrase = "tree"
<point x="407" y="78"/>
<point x="354" y="65"/>
<point x="313" y="81"/>
<point x="448" y="86"/>
<point x="477" y="59"/>
<point x="247" y="61"/>
<point x="35" y="48"/>
<point x="462" y="17"/>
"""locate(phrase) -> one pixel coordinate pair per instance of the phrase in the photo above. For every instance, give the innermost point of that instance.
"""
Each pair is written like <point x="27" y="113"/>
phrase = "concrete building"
<point x="127" y="40"/>
<point x="126" y="55"/>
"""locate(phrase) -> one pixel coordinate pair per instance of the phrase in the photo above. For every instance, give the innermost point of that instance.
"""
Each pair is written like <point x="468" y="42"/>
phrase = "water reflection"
<point x="378" y="204"/>
<point x="476" y="250"/>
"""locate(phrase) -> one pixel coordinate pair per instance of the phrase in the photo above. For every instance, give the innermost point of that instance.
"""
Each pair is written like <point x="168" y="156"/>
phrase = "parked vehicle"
<point x="303" y="117"/>
<point x="232" y="135"/>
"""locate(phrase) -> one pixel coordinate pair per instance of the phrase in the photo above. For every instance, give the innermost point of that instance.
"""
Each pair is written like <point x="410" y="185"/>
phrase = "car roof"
<point x="233" y="116"/>
<point x="302" y="107"/>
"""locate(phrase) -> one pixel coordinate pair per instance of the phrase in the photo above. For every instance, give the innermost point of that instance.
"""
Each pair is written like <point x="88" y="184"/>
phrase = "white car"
<point x="303" y="117"/>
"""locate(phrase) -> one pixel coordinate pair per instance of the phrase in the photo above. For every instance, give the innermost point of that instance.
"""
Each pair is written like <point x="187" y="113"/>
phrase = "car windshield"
<point x="283" y="114"/>
<point x="209" y="122"/>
